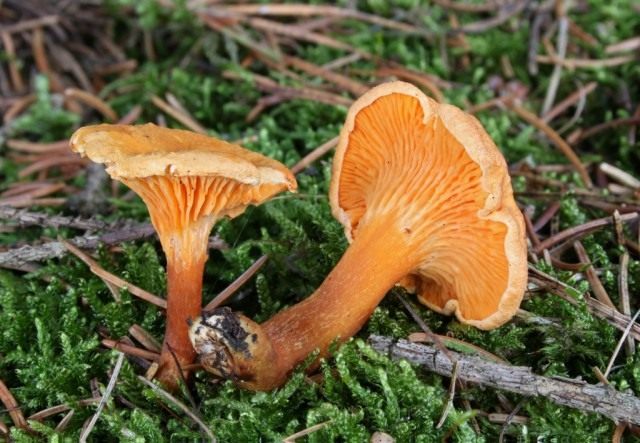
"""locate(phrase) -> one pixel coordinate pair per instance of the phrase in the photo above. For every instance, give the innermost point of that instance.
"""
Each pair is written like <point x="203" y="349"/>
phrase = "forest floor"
<point x="556" y="85"/>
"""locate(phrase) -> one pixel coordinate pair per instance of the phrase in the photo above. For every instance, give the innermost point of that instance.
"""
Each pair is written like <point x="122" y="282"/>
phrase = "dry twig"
<point x="597" y="308"/>
<point x="112" y="281"/>
<point x="517" y="379"/>
<point x="547" y="215"/>
<point x="619" y="175"/>
<point x="616" y="351"/>
<point x="623" y="290"/>
<point x="308" y="93"/>
<point x="450" y="396"/>
<point x="305" y="10"/>
<point x="236" y="284"/>
<point x="580" y="231"/>
<point x="14" y="71"/>
<point x="505" y="13"/>
<point x="554" y="80"/>
<point x="147" y="340"/>
<point x="103" y="400"/>
<point x="66" y="420"/>
<point x="11" y="405"/>
<point x="573" y="63"/>
<point x="510" y="419"/>
<point x="23" y="218"/>
<point x="595" y="283"/>
<point x="575" y="97"/>
<point x="562" y="145"/>
<point x="38" y="148"/>
<point x="130" y="350"/>
<point x="419" y="78"/>
<point x="28" y="25"/>
<point x="18" y="106"/>
<point x="310" y="430"/>
<point x="93" y="101"/>
<point x="314" y="155"/>
<point x="456" y="343"/>
<point x="53" y="410"/>
<point x="162" y="393"/>
<point x="353" y="86"/>
<point x="179" y="114"/>
<point x="631" y="121"/>
<point x="628" y="45"/>
<point x="21" y="256"/>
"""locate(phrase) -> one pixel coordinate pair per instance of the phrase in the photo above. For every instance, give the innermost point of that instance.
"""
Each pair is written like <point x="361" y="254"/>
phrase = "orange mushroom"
<point x="188" y="181"/>
<point x="426" y="200"/>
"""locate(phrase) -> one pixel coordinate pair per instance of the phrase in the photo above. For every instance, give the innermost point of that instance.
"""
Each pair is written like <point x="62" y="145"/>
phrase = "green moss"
<point x="44" y="120"/>
<point x="52" y="320"/>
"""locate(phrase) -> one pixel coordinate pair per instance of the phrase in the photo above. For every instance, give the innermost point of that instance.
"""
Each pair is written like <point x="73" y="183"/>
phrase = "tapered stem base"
<point x="184" y="302"/>
<point x="261" y="357"/>
<point x="186" y="253"/>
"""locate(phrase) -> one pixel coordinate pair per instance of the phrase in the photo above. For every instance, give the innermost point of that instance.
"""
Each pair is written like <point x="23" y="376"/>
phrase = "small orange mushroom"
<point x="188" y="181"/>
<point x="426" y="201"/>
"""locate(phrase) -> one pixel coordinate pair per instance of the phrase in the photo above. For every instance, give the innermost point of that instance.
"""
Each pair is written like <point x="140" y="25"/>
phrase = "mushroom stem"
<point x="376" y="260"/>
<point x="186" y="252"/>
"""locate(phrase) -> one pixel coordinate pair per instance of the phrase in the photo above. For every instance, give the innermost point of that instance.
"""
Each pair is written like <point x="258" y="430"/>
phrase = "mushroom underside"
<point x="176" y="202"/>
<point x="398" y="163"/>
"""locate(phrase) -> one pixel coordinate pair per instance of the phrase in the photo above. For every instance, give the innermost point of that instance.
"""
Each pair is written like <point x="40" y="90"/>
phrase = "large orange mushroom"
<point x="426" y="201"/>
<point x="188" y="181"/>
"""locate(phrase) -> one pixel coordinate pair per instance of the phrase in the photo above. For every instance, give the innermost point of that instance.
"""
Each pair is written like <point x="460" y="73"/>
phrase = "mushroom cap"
<point x="138" y="151"/>
<point x="183" y="177"/>
<point x="436" y="170"/>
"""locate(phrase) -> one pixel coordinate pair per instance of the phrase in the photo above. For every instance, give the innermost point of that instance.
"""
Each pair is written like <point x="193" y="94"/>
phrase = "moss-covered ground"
<point x="53" y="318"/>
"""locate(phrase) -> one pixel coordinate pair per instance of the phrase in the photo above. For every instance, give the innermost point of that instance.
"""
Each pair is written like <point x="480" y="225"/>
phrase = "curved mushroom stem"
<point x="186" y="253"/>
<point x="260" y="357"/>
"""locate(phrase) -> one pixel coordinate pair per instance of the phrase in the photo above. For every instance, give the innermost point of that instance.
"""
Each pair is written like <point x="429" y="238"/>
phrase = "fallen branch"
<point x="23" y="218"/>
<point x="20" y="257"/>
<point x="575" y="394"/>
